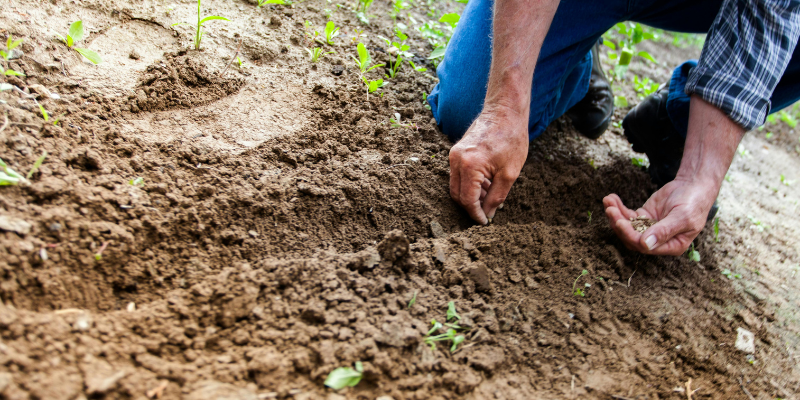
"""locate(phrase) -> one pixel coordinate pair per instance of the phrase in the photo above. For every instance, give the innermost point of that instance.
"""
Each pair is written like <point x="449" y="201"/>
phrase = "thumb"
<point x="658" y="238"/>
<point x="496" y="195"/>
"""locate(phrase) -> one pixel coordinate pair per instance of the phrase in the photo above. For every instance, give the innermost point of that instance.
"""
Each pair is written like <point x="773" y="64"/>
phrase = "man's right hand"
<point x="487" y="160"/>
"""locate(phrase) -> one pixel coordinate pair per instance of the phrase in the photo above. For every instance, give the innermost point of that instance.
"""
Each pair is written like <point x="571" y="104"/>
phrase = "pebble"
<point x="745" y="341"/>
<point x="12" y="224"/>
<point x="437" y="230"/>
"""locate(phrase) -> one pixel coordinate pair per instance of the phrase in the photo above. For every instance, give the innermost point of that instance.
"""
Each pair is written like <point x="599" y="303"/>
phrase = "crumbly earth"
<point x="284" y="225"/>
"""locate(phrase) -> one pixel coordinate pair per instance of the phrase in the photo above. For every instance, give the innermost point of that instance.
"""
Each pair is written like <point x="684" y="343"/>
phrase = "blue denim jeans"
<point x="561" y="78"/>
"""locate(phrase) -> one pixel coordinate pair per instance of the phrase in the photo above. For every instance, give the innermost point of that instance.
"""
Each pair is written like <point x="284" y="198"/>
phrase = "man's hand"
<point x="681" y="206"/>
<point x="487" y="161"/>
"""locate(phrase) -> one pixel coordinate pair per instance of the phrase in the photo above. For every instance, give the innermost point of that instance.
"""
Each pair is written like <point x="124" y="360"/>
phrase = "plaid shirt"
<point x="745" y="54"/>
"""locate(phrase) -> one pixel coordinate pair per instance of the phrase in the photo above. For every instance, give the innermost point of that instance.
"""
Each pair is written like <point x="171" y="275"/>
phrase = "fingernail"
<point x="651" y="242"/>
<point x="490" y="220"/>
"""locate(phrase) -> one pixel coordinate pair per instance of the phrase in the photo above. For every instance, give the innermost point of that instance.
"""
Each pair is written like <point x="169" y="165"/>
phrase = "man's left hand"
<point x="680" y="207"/>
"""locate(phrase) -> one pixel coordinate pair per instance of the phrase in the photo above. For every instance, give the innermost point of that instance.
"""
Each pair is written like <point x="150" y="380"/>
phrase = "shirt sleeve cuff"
<point x="744" y="106"/>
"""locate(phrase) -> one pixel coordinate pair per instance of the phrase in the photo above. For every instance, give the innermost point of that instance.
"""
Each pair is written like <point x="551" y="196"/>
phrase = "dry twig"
<point x="744" y="389"/>
<point x="232" y="58"/>
<point x="157" y="391"/>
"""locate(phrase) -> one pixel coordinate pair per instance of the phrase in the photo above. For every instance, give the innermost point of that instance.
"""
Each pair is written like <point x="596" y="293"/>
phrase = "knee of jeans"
<point x="454" y="112"/>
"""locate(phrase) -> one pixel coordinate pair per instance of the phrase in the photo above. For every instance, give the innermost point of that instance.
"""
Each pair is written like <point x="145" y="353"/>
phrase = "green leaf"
<point x="437" y="52"/>
<point x="36" y="165"/>
<point x="63" y="39"/>
<point x="647" y="56"/>
<point x="456" y="341"/>
<point x="363" y="56"/>
<point x="609" y="44"/>
<point x="70" y="41"/>
<point x="413" y="300"/>
<point x="375" y="66"/>
<point x="625" y="56"/>
<point x="451" y="311"/>
<point x="181" y="23"/>
<point x="450" y="19"/>
<point x="8" y="176"/>
<point x="76" y="31"/>
<point x="262" y="3"/>
<point x="620" y="101"/>
<point x="11" y="45"/>
<point x="90" y="55"/>
<point x="10" y="72"/>
<point x="45" y="115"/>
<point x="211" y="18"/>
<point x="343" y="377"/>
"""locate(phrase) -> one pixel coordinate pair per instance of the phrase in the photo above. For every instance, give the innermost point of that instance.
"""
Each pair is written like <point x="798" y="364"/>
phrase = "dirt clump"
<point x="179" y="81"/>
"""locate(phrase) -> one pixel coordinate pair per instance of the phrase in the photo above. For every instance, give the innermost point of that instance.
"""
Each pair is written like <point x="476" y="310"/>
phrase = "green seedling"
<point x="787" y="118"/>
<point x="742" y="151"/>
<point x="99" y="255"/>
<point x="451" y="335"/>
<point x="311" y="34"/>
<point x="266" y="2"/>
<point x="343" y="377"/>
<point x="316" y="53"/>
<point x="358" y="33"/>
<point x="728" y="178"/>
<point x="397" y="7"/>
<point x="402" y="51"/>
<point x="639" y="162"/>
<point x="198" y="36"/>
<point x="138" y="181"/>
<point x="759" y="226"/>
<point x="730" y="275"/>
<point x="363" y="62"/>
<point x="36" y="165"/>
<point x="579" y="291"/>
<point x="451" y="311"/>
<point x="413" y="300"/>
<point x="590" y="217"/>
<point x="397" y="123"/>
<point x="768" y="136"/>
<point x="45" y="115"/>
<point x="716" y="229"/>
<point x="644" y="87"/>
<point x="331" y="31"/>
<point x="450" y="19"/>
<point x="623" y="52"/>
<point x="11" y="44"/>
<point x="620" y="101"/>
<point x="416" y="68"/>
<point x="785" y="181"/>
<point x="9" y="177"/>
<point x="76" y="35"/>
<point x="693" y="254"/>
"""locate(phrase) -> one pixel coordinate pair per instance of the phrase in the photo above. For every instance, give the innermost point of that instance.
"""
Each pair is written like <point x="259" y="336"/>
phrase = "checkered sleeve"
<point x="745" y="54"/>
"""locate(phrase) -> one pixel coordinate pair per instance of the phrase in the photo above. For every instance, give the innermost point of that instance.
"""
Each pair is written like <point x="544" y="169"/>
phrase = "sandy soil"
<point x="284" y="226"/>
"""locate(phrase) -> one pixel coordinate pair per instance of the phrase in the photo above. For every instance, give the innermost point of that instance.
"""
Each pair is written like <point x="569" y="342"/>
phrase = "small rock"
<point x="479" y="274"/>
<point x="394" y="246"/>
<point x="437" y="230"/>
<point x="206" y="390"/>
<point x="745" y="341"/>
<point x="12" y="224"/>
<point x="55" y="227"/>
<point x="102" y="384"/>
<point x="42" y="91"/>
<point x="134" y="55"/>
<point x="438" y="253"/>
<point x="275" y="21"/>
<point x="131" y="307"/>
<point x="252" y="233"/>
<point x="337" y="70"/>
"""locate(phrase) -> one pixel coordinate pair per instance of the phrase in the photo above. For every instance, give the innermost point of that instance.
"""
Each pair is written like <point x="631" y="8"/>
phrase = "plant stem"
<point x="197" y="35"/>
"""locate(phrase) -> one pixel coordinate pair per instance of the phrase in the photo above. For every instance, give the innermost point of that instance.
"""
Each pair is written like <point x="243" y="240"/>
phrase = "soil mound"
<point x="180" y="81"/>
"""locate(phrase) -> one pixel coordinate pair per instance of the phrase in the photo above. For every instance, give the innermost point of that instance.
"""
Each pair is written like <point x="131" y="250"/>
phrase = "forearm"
<point x="711" y="143"/>
<point x="520" y="27"/>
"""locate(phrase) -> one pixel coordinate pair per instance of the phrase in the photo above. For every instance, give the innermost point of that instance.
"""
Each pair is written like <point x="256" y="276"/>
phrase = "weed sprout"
<point x="693" y="254"/>
<point x="363" y="62"/>
<point x="331" y="31"/>
<point x="200" y="21"/>
<point x="11" y="44"/>
<point x="624" y="51"/>
<point x="579" y="291"/>
<point x="76" y="35"/>
<point x="316" y="53"/>
<point x="343" y="377"/>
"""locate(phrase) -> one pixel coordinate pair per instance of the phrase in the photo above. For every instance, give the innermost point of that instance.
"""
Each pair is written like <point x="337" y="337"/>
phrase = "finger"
<point x="486" y="184"/>
<point x="470" y="195"/>
<point x="455" y="180"/>
<point x="668" y="236"/>
<point x="497" y="193"/>
<point x="483" y="194"/>
<point x="613" y="200"/>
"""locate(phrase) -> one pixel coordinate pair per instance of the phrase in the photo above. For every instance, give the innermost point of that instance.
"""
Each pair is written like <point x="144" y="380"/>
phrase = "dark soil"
<point x="254" y="273"/>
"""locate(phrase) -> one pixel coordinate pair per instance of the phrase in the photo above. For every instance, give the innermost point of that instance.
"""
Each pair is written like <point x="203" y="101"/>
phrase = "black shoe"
<point x="649" y="129"/>
<point x="593" y="113"/>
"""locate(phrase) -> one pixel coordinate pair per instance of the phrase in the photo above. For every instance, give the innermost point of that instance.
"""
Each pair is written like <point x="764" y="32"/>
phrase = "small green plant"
<point x="396" y="122"/>
<point x="76" y="35"/>
<point x="402" y="51"/>
<point x="623" y="51"/>
<point x="644" y="87"/>
<point x="416" y="68"/>
<point x="579" y="291"/>
<point x="397" y="7"/>
<point x="316" y="53"/>
<point x="266" y="2"/>
<point x="590" y="217"/>
<point x="138" y="181"/>
<point x="331" y="31"/>
<point x="769" y="135"/>
<point x="757" y="225"/>
<point x="363" y="62"/>
<point x="731" y="275"/>
<point x="36" y="165"/>
<point x="10" y="46"/>
<point x="451" y="335"/>
<point x="716" y="229"/>
<point x="361" y="10"/>
<point x="785" y="181"/>
<point x="198" y="36"/>
<point x="99" y="255"/>
<point x="787" y="118"/>
<point x="640" y="162"/>
<point x="413" y="300"/>
<point x="693" y="254"/>
<point x="8" y="176"/>
<point x="343" y="377"/>
<point x="451" y="311"/>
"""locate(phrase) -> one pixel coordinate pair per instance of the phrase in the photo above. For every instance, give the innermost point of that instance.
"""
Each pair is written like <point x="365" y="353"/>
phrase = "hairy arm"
<point x="487" y="161"/>
<point x="681" y="206"/>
